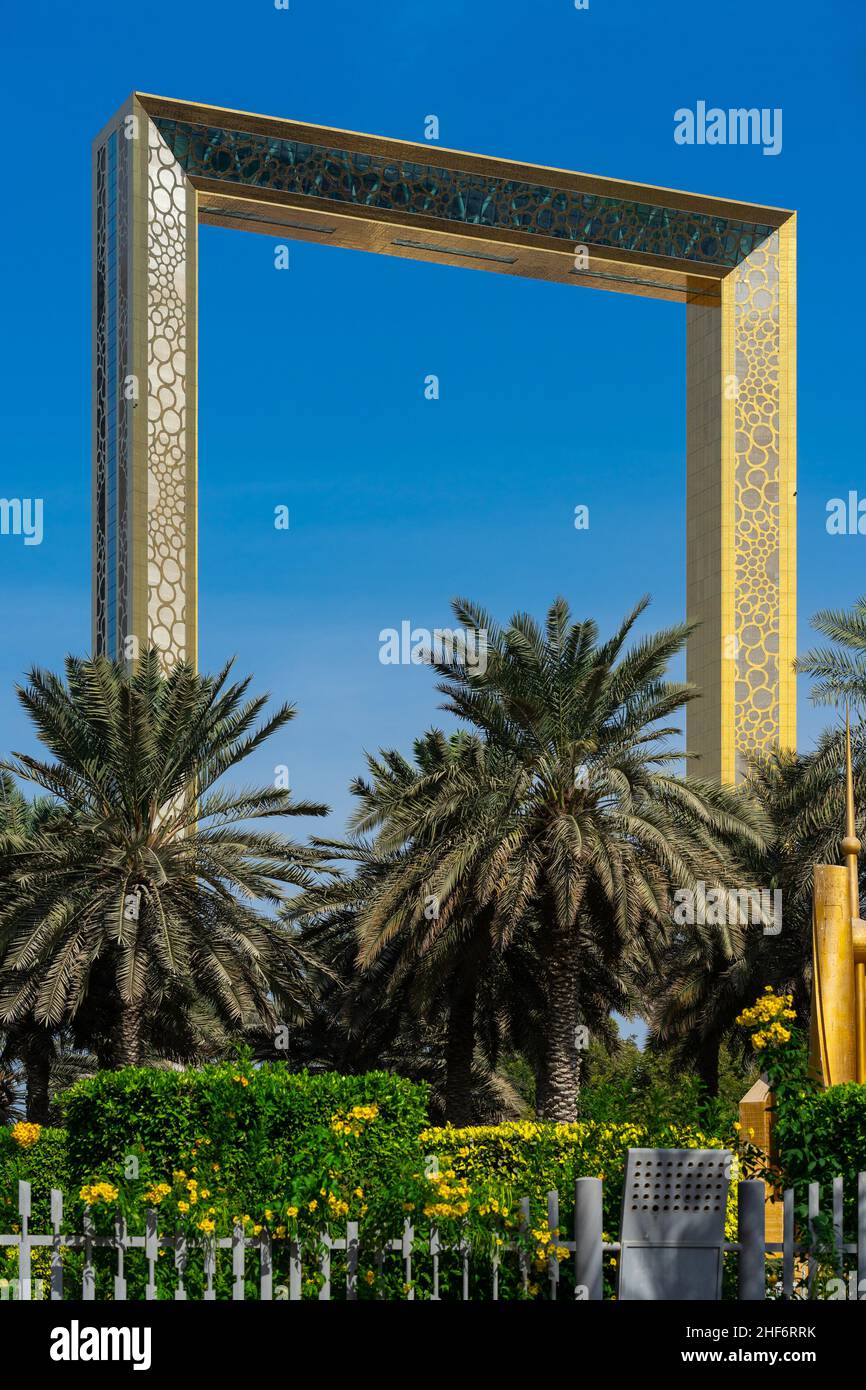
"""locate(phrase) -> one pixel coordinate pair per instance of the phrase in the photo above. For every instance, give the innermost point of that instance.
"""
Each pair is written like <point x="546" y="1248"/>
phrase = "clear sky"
<point x="312" y="379"/>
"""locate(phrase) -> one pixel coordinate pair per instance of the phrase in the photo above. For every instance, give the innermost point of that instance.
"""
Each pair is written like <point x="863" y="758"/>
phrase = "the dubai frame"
<point x="161" y="167"/>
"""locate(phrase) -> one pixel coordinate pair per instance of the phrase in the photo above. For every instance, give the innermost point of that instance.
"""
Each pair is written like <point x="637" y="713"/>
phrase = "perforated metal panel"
<point x="673" y="1223"/>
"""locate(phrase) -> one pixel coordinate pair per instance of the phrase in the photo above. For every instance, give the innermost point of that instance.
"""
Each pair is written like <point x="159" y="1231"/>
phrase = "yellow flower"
<point x="291" y="1211"/>
<point x="370" y="1277"/>
<point x="183" y="1206"/>
<point x="25" y="1134"/>
<point x="311" y="1206"/>
<point x="206" y="1225"/>
<point x="98" y="1192"/>
<point x="155" y="1194"/>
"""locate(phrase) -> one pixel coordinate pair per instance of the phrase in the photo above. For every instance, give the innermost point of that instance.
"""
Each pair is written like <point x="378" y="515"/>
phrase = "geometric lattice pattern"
<point x="111" y="406"/>
<point x="144" y="396"/>
<point x="433" y="190"/>
<point x="757" y="500"/>
<point x="168" y="198"/>
<point x="100" y="402"/>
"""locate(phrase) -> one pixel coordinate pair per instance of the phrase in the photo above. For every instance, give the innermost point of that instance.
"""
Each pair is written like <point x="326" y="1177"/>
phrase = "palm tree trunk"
<point x="540" y="1071"/>
<point x="708" y="1065"/>
<point x="129" y="1040"/>
<point x="560" y="1092"/>
<point x="459" y="1054"/>
<point x="37" y="1067"/>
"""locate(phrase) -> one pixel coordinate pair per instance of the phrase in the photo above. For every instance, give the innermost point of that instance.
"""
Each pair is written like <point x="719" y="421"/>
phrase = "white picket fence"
<point x="795" y="1271"/>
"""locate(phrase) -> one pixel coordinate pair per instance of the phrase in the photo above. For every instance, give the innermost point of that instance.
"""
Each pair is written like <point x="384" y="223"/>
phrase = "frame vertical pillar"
<point x="741" y="510"/>
<point x="144" y="396"/>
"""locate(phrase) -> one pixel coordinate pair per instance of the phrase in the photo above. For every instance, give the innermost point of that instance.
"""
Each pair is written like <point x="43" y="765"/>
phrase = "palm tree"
<point x="839" y="674"/>
<point x="394" y="1014"/>
<point x="144" y="882"/>
<point x="711" y="975"/>
<point x="595" y="829"/>
<point x="36" y="1065"/>
<point x="32" y="1045"/>
<point x="433" y="909"/>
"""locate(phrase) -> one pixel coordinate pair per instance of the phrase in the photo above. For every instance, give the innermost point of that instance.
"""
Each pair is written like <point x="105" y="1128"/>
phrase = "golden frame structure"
<point x="161" y="167"/>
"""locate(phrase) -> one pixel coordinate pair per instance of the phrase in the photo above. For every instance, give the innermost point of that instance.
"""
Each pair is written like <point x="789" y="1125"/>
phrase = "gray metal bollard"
<point x="750" y="1233"/>
<point x="588" y="1254"/>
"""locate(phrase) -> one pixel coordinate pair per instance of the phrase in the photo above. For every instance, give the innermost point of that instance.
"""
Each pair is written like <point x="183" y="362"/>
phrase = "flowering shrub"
<point x="25" y="1135"/>
<point x="529" y="1158"/>
<point x="296" y="1156"/>
<point x="35" y="1154"/>
<point x="819" y="1134"/>
<point x="765" y="1022"/>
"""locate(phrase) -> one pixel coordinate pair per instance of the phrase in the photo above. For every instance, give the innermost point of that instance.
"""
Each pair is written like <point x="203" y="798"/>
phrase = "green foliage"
<point x="298" y="1154"/>
<point x="132" y="907"/>
<point x="649" y="1089"/>
<point x="504" y="1163"/>
<point x="257" y="1137"/>
<point x="226" y="1145"/>
<point x="822" y="1135"/>
<point x="529" y="1158"/>
<point x="819" y="1134"/>
<point x="42" y="1164"/>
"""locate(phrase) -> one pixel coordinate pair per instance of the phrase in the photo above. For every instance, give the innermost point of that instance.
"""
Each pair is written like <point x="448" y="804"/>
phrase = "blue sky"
<point x="312" y="379"/>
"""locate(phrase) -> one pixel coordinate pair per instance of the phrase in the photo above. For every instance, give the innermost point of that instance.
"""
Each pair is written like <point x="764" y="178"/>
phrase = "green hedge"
<point x="299" y="1152"/>
<point x="219" y="1145"/>
<point x="821" y="1135"/>
<point x="254" y="1137"/>
<point x="42" y="1164"/>
<point x="530" y="1159"/>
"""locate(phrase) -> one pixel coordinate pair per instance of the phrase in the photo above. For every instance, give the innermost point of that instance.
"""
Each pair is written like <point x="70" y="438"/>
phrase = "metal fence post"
<point x="151" y="1252"/>
<point x="238" y="1262"/>
<point x="88" y="1273"/>
<point x="588" y="1221"/>
<point x="814" y="1215"/>
<point x="56" y="1245"/>
<point x="24" y="1290"/>
<point x="120" y="1276"/>
<point x="750" y="1233"/>
<point x="553" y="1226"/>
<point x="351" y="1261"/>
